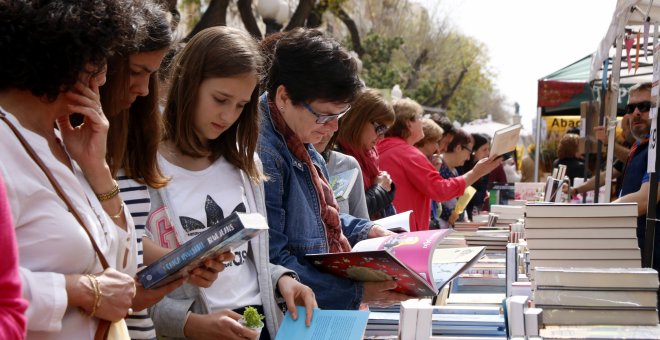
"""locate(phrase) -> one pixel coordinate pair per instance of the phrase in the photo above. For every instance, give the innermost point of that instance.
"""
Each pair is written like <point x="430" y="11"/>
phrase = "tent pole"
<point x="649" y="233"/>
<point x="588" y="124"/>
<point x="537" y="149"/>
<point x="614" y="98"/>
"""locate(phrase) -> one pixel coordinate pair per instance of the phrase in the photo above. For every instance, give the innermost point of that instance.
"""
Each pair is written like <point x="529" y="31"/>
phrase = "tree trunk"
<point x="352" y="28"/>
<point x="245" y="9"/>
<point x="444" y="100"/>
<point x="417" y="65"/>
<point x="215" y="15"/>
<point x="171" y="6"/>
<point x="300" y="15"/>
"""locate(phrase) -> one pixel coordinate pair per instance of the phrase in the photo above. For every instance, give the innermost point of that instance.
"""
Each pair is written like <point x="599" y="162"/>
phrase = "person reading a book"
<point x="68" y="217"/>
<point x="480" y="149"/>
<point x="359" y="132"/>
<point x="418" y="181"/>
<point x="211" y="129"/>
<point x="130" y="100"/>
<point x="338" y="164"/>
<point x="458" y="152"/>
<point x="310" y="84"/>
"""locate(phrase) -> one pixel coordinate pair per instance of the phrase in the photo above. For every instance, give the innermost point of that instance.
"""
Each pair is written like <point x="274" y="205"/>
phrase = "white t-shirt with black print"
<point x="202" y="198"/>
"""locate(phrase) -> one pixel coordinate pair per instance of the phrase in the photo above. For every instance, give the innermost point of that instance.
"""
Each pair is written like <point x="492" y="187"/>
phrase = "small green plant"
<point x="252" y="317"/>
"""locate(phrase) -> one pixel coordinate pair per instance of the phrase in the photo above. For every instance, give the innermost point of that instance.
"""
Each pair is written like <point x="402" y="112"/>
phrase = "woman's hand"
<point x="378" y="231"/>
<point x="384" y="180"/>
<point x="380" y="294"/>
<point x="296" y="293"/>
<point x="117" y="291"/>
<point x="205" y="275"/>
<point x="452" y="218"/>
<point x="86" y="143"/>
<point x="221" y="324"/>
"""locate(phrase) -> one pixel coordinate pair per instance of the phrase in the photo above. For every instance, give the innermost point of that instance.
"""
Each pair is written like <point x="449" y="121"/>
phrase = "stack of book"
<point x="597" y="296"/>
<point x="582" y="235"/>
<point x="488" y="275"/>
<point x="507" y="214"/>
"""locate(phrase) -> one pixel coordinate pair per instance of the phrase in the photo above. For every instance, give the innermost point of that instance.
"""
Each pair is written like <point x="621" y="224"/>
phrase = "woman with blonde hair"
<point x="418" y="181"/>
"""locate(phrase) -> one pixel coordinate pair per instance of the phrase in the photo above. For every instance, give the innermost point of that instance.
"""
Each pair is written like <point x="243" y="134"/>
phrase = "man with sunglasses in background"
<point x="635" y="186"/>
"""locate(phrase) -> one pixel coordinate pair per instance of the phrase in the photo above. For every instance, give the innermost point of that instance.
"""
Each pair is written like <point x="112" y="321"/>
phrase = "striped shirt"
<point x="136" y="199"/>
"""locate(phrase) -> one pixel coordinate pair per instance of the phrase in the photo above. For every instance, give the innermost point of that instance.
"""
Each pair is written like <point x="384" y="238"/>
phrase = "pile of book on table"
<point x="596" y="296"/>
<point x="582" y="235"/>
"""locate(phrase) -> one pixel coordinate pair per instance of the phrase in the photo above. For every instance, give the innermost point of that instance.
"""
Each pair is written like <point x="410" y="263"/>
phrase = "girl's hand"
<point x="296" y="293"/>
<point x="86" y="143"/>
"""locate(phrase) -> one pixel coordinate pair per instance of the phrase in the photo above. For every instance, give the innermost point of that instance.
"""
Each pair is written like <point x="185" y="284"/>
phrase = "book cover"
<point x="343" y="182"/>
<point x="571" y="222"/>
<point x="397" y="223"/>
<point x="325" y="325"/>
<point x="463" y="201"/>
<point x="577" y="232"/>
<point x="505" y="140"/>
<point x="585" y="254"/>
<point x="624" y="278"/>
<point x="574" y="316"/>
<point x="581" y="243"/>
<point x="231" y="232"/>
<point x="581" y="210"/>
<point x="407" y="258"/>
<point x="619" y="299"/>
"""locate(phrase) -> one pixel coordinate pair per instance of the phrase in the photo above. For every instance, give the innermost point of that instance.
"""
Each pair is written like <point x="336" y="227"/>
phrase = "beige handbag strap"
<point x="101" y="331"/>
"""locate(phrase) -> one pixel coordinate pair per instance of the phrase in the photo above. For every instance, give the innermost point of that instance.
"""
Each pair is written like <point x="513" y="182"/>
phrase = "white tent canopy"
<point x="488" y="127"/>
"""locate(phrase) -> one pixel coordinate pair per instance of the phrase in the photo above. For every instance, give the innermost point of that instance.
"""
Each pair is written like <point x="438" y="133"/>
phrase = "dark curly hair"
<point x="312" y="66"/>
<point x="45" y="45"/>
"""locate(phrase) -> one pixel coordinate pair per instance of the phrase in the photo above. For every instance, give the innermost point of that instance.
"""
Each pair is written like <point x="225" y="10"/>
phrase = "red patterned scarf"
<point x="329" y="208"/>
<point x="368" y="160"/>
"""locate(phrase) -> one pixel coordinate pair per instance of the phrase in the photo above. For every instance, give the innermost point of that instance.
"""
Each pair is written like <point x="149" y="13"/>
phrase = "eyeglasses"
<point x="324" y="119"/>
<point x="465" y="147"/>
<point x="644" y="106"/>
<point x="380" y="129"/>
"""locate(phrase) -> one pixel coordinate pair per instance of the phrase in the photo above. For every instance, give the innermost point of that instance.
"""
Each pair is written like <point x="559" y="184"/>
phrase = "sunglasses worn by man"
<point x="644" y="106"/>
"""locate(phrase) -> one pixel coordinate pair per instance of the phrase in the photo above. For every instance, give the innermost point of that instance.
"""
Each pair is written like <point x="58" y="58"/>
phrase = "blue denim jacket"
<point x="294" y="218"/>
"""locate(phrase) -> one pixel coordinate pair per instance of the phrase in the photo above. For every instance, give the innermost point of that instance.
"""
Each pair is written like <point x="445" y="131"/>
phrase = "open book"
<point x="342" y="183"/>
<point x="326" y="325"/>
<point x="397" y="223"/>
<point x="229" y="233"/>
<point x="505" y="140"/>
<point x="411" y="259"/>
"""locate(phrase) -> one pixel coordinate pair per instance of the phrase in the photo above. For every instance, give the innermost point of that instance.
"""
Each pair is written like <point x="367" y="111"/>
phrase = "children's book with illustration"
<point x="343" y="182"/>
<point x="229" y="233"/>
<point x="408" y="258"/>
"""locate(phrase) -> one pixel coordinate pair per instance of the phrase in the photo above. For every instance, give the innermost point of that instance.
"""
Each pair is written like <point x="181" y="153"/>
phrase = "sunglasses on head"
<point x="380" y="129"/>
<point x="323" y="118"/>
<point x="644" y="106"/>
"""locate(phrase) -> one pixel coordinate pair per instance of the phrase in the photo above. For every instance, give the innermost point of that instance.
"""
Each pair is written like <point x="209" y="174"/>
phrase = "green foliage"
<point x="252" y="317"/>
<point x="377" y="69"/>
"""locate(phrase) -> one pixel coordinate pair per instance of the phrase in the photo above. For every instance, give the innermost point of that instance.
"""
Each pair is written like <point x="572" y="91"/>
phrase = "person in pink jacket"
<point x="12" y="305"/>
<point x="418" y="181"/>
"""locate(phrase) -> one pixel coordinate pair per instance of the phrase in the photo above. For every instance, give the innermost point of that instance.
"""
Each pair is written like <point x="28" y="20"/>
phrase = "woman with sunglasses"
<point x="310" y="83"/>
<point x="418" y="181"/>
<point x="359" y="132"/>
<point x="458" y="152"/>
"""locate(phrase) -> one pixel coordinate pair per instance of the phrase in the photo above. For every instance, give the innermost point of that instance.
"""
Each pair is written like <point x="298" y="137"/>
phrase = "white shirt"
<point x="51" y="243"/>
<point x="202" y="198"/>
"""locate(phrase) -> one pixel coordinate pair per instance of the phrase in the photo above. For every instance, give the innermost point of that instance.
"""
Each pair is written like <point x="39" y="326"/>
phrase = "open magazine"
<point x="407" y="258"/>
<point x="397" y="223"/>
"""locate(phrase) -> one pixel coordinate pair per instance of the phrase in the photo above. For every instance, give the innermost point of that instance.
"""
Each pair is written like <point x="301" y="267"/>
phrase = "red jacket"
<point x="417" y="181"/>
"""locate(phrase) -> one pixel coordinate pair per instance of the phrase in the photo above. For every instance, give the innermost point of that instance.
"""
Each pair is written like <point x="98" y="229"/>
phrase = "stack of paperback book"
<point x="582" y="235"/>
<point x="597" y="296"/>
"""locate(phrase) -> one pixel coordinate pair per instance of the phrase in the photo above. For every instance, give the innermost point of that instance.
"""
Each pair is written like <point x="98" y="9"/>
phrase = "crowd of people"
<point x="121" y="145"/>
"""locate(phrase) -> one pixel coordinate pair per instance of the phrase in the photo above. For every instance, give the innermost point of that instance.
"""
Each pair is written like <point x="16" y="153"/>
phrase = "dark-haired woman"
<point x="310" y="85"/>
<point x="56" y="66"/>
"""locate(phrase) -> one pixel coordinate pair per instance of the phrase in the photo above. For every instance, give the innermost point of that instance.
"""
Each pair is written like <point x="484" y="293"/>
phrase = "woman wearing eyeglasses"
<point x="418" y="181"/>
<point x="458" y="152"/>
<point x="310" y="83"/>
<point x="359" y="132"/>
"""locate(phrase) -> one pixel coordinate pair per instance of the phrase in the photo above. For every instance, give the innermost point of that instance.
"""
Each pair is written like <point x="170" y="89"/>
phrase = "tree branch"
<point x="245" y="9"/>
<point x="215" y="15"/>
<point x="300" y="15"/>
<point x="352" y="28"/>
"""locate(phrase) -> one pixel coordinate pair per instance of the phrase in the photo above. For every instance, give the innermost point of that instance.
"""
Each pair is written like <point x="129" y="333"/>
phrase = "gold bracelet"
<point x="97" y="293"/>
<point x="110" y="194"/>
<point x="121" y="212"/>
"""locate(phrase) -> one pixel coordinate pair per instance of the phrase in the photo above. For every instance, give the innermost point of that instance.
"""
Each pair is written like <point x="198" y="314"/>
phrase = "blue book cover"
<point x="326" y="325"/>
<point x="229" y="233"/>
